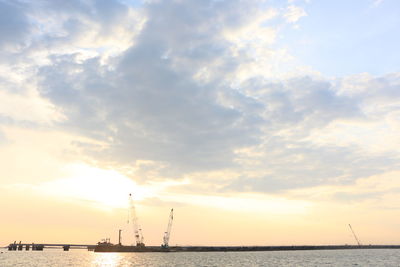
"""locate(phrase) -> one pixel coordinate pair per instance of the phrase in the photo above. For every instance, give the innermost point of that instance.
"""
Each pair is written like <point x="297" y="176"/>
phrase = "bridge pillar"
<point x="66" y="248"/>
<point x="37" y="247"/>
<point x="27" y="247"/>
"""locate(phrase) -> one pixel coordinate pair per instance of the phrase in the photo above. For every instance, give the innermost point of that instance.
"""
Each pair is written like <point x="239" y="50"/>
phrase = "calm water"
<point x="79" y="258"/>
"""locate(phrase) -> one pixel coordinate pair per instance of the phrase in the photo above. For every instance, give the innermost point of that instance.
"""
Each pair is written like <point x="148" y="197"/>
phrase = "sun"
<point x="107" y="188"/>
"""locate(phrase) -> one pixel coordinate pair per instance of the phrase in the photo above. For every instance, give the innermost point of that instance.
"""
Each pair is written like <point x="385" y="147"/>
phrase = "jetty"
<point x="39" y="247"/>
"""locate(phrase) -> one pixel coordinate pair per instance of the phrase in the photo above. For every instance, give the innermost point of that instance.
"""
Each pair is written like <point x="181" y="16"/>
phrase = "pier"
<point x="39" y="247"/>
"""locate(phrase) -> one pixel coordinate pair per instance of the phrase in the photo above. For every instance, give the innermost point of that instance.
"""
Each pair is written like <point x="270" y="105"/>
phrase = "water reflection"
<point x="339" y="258"/>
<point x="107" y="259"/>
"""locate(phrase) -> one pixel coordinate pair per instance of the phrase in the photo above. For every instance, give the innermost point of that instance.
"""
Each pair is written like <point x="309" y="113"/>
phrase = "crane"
<point x="134" y="219"/>
<point x="354" y="234"/>
<point x="168" y="232"/>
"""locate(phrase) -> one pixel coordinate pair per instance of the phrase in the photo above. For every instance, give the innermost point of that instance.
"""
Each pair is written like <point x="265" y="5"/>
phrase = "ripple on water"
<point x="80" y="258"/>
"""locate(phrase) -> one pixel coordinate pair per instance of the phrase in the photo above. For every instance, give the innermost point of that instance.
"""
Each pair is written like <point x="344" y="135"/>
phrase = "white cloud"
<point x="294" y="13"/>
<point x="28" y="107"/>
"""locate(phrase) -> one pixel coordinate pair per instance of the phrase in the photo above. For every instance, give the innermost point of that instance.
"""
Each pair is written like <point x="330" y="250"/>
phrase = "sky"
<point x="261" y="122"/>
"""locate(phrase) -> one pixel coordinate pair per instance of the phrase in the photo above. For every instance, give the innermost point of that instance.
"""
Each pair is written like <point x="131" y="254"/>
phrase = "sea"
<point x="78" y="258"/>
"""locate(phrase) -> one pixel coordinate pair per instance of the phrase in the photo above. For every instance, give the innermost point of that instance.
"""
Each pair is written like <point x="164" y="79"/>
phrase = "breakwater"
<point x="121" y="248"/>
<point x="280" y="248"/>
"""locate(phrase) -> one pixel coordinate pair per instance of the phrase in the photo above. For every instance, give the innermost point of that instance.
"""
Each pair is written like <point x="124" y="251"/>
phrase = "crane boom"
<point x="168" y="232"/>
<point x="354" y="234"/>
<point x="136" y="229"/>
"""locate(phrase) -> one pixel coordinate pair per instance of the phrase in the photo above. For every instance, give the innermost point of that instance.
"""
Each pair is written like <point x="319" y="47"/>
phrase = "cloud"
<point x="373" y="192"/>
<point x="28" y="108"/>
<point x="150" y="103"/>
<point x="83" y="25"/>
<point x="14" y="25"/>
<point x="187" y="89"/>
<point x="294" y="13"/>
<point x="305" y="143"/>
